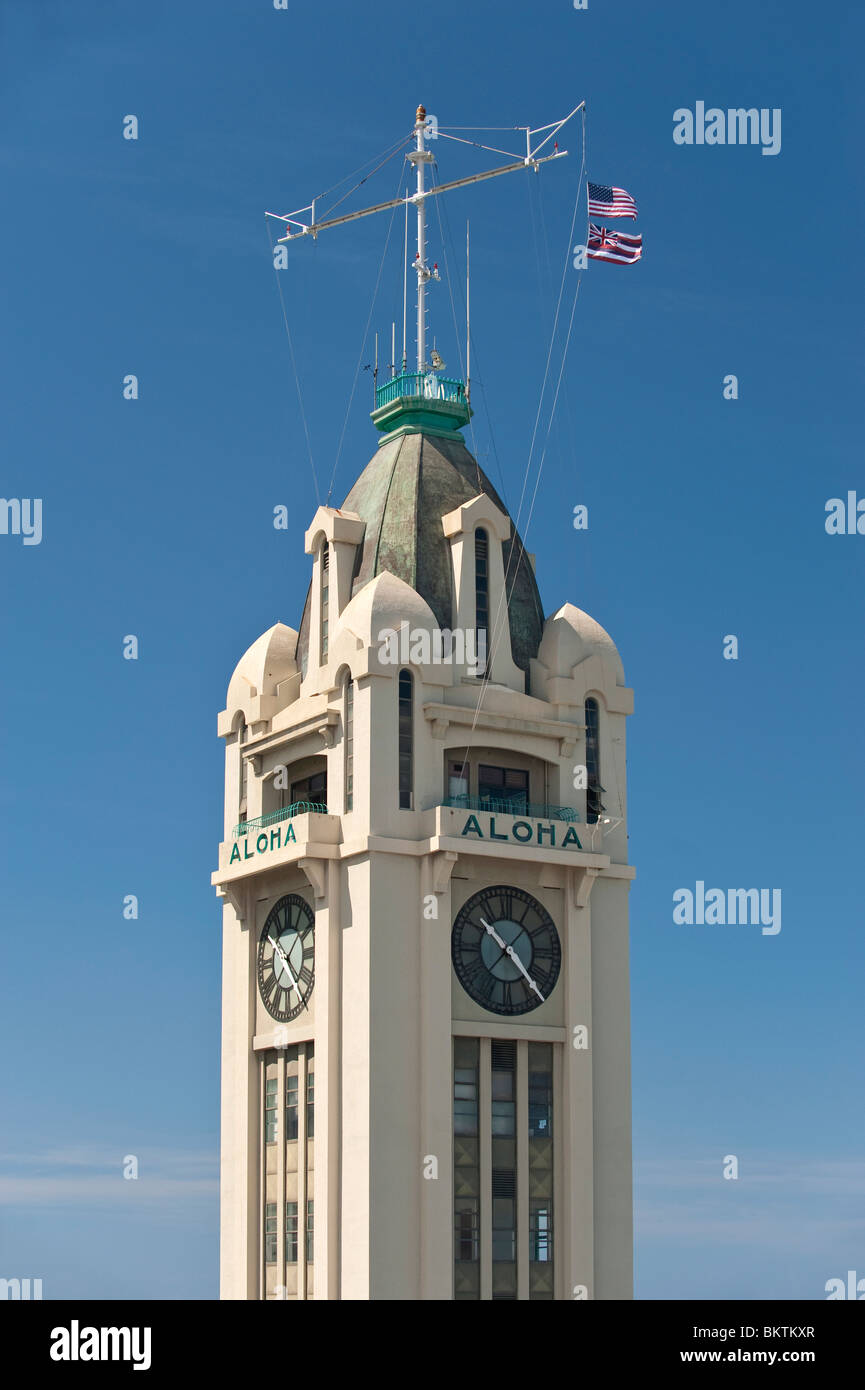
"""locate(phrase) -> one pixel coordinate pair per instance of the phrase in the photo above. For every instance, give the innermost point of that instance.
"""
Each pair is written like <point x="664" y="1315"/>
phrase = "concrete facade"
<point x="374" y="1040"/>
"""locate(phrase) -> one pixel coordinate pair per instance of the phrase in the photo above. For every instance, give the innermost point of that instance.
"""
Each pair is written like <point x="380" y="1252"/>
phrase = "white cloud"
<point x="95" y="1177"/>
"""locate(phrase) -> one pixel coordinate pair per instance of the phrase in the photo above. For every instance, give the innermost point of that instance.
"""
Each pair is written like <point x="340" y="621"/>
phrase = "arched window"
<point x="243" y="770"/>
<point x="325" y="589"/>
<point x="405" y="733"/>
<point x="482" y="597"/>
<point x="593" y="762"/>
<point x="348" y="741"/>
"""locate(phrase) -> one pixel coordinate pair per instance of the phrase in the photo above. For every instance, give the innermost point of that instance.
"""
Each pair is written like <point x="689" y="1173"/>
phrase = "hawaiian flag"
<point x="610" y="202"/>
<point x="605" y="245"/>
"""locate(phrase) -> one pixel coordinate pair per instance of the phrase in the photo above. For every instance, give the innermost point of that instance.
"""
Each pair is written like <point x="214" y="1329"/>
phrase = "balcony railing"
<point x="421" y="385"/>
<point x="515" y="806"/>
<point x="297" y="808"/>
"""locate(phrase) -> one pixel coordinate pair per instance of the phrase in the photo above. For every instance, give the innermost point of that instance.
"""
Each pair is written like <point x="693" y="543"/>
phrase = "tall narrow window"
<point x="540" y="1060"/>
<point x="270" y="1233"/>
<point x="593" y="763"/>
<point x="290" y="1233"/>
<point x="504" y="1166"/>
<point x="270" y="1114"/>
<point x="310" y="1244"/>
<point x="310" y="1099"/>
<point x="406" y="740"/>
<point x="325" y="589"/>
<point x="466" y="1170"/>
<point x="348" y="724"/>
<point x="482" y="598"/>
<point x="242" y="735"/>
<point x="291" y="1107"/>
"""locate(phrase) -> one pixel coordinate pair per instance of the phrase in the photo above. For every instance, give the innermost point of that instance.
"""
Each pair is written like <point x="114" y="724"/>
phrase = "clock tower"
<point x="424" y="878"/>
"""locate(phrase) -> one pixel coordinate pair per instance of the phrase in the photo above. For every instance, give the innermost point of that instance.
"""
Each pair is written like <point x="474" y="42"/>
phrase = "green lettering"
<point x="471" y="827"/>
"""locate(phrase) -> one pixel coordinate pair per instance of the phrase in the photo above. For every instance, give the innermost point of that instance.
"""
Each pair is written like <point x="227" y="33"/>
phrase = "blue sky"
<point x="706" y="518"/>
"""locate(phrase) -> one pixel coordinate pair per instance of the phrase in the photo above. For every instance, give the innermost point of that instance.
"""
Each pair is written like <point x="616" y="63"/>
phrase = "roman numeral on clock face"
<point x="473" y="966"/>
<point x="482" y="964"/>
<point x="506" y="907"/>
<point x="484" y="985"/>
<point x="290" y="924"/>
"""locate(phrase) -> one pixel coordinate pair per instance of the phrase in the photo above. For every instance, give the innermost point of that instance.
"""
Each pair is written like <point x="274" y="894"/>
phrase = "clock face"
<point x="286" y="958"/>
<point x="506" y="950"/>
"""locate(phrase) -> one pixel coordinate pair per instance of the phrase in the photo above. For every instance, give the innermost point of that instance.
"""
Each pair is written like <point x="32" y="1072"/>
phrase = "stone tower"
<point x="425" y="1047"/>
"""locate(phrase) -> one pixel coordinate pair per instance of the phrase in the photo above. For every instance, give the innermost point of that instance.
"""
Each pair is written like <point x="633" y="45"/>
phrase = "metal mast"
<point x="420" y="157"/>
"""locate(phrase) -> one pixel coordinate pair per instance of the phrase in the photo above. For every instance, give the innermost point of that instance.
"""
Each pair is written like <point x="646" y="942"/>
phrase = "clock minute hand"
<point x="523" y="971"/>
<point x="284" y="958"/>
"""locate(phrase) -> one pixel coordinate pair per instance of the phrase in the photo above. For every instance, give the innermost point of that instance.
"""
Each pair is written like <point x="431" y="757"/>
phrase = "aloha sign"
<point x="543" y="833"/>
<point x="277" y="838"/>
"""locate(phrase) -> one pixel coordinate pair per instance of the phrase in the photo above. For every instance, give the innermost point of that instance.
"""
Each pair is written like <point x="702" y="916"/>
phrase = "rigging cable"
<point x="457" y="338"/>
<point x="294" y="368"/>
<point x="517" y="550"/>
<point x="362" y="347"/>
<point x="493" y="149"/>
<point x="389" y="154"/>
<point x="558" y="383"/>
<point x="441" y="209"/>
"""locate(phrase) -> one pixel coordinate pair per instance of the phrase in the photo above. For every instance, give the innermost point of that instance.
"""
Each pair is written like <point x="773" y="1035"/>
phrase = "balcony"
<point x="297" y="808"/>
<point x="421" y="400"/>
<point x="420" y="385"/>
<point x="515" y="806"/>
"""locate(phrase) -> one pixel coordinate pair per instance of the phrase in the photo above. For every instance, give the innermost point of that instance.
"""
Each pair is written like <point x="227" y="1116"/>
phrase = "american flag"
<point x="613" y="246"/>
<point x="610" y="202"/>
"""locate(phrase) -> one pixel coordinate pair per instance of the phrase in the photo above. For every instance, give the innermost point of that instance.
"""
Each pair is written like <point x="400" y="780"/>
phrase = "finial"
<point x="420" y="114"/>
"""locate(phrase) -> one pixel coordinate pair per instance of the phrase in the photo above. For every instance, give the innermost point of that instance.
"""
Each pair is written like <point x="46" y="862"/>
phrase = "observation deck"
<point x="421" y="401"/>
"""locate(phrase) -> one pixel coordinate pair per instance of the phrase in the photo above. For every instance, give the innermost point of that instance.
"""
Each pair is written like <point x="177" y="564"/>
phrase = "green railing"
<point x="424" y="385"/>
<point x="297" y="808"/>
<point x="515" y="806"/>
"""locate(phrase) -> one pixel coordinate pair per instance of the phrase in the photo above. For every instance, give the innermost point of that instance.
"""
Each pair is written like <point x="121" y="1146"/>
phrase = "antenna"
<point x="420" y="157"/>
<point x="468" y="321"/>
<point x="404" y="283"/>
